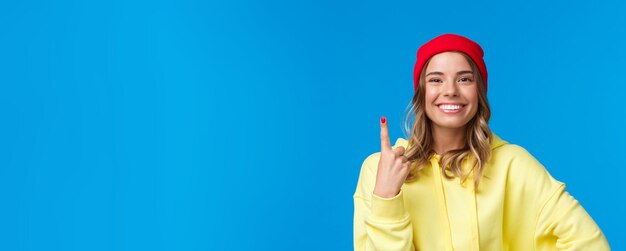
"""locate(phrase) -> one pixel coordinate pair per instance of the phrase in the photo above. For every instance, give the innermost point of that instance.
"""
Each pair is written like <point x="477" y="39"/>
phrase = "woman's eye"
<point x="435" y="80"/>
<point x="465" y="80"/>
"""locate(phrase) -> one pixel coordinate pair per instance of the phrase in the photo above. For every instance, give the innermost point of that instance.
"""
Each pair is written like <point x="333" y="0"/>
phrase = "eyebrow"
<point x="441" y="73"/>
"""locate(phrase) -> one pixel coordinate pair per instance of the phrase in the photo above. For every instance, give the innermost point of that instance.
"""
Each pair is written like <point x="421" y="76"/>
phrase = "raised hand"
<point x="393" y="167"/>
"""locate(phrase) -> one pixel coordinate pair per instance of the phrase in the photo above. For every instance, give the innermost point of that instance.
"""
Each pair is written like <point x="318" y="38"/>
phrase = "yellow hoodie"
<point x="517" y="206"/>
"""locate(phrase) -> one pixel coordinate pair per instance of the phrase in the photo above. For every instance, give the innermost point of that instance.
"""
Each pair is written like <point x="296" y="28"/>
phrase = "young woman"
<point x="454" y="185"/>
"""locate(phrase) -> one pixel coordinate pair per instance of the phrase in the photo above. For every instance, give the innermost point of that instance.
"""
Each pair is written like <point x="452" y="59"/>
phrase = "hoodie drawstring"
<point x="441" y="200"/>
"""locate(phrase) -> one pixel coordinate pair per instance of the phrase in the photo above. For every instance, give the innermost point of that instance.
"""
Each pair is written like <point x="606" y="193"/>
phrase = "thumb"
<point x="399" y="151"/>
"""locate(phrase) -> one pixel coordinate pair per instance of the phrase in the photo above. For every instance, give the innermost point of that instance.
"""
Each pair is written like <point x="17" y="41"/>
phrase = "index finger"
<point x="385" y="144"/>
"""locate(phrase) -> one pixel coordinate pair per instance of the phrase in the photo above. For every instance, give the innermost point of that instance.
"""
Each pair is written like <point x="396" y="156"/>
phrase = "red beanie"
<point x="449" y="42"/>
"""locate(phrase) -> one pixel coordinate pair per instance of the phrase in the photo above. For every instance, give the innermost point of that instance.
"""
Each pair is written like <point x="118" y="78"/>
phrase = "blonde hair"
<point x="478" y="138"/>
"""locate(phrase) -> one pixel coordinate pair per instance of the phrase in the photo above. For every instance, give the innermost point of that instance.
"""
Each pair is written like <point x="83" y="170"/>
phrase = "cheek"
<point x="473" y="99"/>
<point x="471" y="95"/>
<point x="430" y="95"/>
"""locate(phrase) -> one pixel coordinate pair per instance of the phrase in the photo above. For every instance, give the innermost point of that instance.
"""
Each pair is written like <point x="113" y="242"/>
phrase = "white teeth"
<point x="450" y="107"/>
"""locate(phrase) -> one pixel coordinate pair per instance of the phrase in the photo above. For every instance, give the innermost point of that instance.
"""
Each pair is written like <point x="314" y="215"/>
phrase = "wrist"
<point x="388" y="209"/>
<point x="386" y="193"/>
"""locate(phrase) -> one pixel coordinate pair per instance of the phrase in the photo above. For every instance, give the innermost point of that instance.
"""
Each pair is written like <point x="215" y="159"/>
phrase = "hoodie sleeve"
<point x="538" y="202"/>
<point x="379" y="223"/>
<point x="563" y="222"/>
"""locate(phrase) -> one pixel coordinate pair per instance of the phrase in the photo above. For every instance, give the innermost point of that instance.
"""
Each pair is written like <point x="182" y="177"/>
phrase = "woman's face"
<point x="451" y="92"/>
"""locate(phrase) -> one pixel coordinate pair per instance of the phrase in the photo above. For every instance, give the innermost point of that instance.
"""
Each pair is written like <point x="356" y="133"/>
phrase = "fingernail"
<point x="383" y="119"/>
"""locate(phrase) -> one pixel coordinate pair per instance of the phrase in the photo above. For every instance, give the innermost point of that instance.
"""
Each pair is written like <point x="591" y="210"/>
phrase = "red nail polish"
<point x="383" y="120"/>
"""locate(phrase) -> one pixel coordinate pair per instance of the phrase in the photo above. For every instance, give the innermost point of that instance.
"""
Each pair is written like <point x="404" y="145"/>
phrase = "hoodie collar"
<point x="496" y="142"/>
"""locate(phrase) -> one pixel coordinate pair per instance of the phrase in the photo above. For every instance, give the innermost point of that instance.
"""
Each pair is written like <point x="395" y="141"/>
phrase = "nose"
<point x="450" y="89"/>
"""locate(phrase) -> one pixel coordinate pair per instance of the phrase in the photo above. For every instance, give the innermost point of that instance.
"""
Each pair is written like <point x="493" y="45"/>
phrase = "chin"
<point x="451" y="124"/>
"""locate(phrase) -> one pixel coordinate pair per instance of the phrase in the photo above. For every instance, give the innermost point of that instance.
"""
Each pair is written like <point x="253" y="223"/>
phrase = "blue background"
<point x="242" y="125"/>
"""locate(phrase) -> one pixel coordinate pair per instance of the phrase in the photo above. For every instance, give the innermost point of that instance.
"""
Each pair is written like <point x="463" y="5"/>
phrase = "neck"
<point x="446" y="139"/>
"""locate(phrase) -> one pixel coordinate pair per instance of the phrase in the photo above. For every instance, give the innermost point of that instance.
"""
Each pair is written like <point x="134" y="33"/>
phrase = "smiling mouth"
<point x="449" y="108"/>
